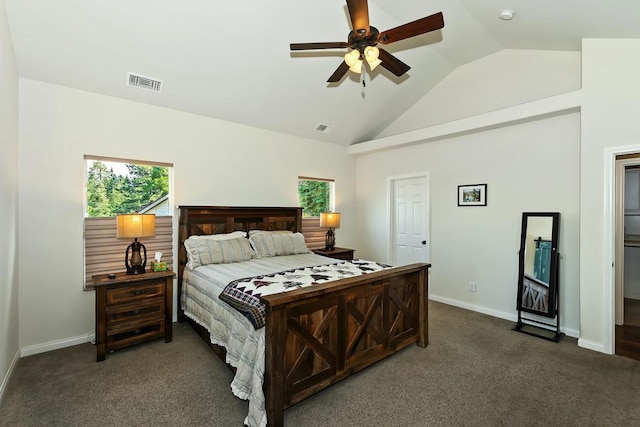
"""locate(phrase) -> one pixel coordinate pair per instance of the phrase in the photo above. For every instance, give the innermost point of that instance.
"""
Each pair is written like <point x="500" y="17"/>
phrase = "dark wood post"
<point x="423" y="308"/>
<point x="274" y="391"/>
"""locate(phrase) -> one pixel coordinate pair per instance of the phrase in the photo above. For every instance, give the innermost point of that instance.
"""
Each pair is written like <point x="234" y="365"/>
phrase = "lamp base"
<point x="136" y="269"/>
<point x="138" y="263"/>
<point x="330" y="241"/>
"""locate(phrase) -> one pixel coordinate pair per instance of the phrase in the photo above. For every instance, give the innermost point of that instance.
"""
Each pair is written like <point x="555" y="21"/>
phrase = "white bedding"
<point x="227" y="327"/>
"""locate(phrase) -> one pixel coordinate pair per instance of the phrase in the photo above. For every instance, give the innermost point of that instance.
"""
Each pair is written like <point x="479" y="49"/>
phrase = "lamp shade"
<point x="371" y="54"/>
<point x="353" y="60"/>
<point x="136" y="225"/>
<point x="330" y="219"/>
<point x="352" y="57"/>
<point x="357" y="67"/>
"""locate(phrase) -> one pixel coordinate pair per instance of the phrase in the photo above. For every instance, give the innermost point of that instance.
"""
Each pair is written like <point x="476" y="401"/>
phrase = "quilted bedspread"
<point x="244" y="294"/>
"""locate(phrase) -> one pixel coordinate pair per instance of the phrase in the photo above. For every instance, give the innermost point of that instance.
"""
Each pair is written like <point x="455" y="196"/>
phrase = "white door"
<point x="411" y="220"/>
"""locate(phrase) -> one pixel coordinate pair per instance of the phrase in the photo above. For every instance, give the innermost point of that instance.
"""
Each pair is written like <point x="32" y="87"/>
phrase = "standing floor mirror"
<point x="538" y="284"/>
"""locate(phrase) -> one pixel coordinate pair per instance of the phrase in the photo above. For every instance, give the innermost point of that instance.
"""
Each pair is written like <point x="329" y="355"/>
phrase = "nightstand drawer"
<point x="152" y="307"/>
<point x="135" y="293"/>
<point x="133" y="325"/>
<point x="122" y="337"/>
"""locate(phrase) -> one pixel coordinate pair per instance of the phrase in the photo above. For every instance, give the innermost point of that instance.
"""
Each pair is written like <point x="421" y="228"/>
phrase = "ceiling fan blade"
<point x="323" y="45"/>
<point x="359" y="13"/>
<point x="415" y="28"/>
<point x="339" y="73"/>
<point x="392" y="63"/>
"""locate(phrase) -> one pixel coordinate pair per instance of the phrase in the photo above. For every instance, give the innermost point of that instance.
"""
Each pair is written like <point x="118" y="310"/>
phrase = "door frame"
<point x="391" y="217"/>
<point x="614" y="199"/>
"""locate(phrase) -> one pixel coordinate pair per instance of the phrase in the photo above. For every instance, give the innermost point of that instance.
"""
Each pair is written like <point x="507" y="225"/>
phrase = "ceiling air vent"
<point x="143" y="82"/>
<point x="321" y="127"/>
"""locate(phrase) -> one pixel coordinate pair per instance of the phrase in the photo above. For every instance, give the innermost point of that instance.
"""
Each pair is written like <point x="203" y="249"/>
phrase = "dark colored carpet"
<point x="475" y="372"/>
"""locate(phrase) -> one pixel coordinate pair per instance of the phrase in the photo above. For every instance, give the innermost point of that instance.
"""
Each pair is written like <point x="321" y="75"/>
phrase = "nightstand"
<point x="337" y="253"/>
<point x="131" y="309"/>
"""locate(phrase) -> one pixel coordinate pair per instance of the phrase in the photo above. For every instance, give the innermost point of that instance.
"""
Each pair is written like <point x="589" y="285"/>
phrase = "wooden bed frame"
<point x="319" y="335"/>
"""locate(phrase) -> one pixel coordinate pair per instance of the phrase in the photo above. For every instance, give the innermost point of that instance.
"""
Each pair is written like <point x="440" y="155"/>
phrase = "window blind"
<point x="103" y="253"/>
<point x="313" y="234"/>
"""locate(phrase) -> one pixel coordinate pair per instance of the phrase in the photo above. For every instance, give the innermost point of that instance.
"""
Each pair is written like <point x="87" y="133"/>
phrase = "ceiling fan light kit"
<point x="364" y="38"/>
<point x="354" y="62"/>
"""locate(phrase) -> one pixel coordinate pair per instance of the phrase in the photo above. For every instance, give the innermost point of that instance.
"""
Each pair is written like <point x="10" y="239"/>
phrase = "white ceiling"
<point x="231" y="60"/>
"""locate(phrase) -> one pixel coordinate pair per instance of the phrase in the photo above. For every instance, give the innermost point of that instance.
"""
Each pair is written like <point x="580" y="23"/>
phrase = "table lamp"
<point x="331" y="220"/>
<point x="135" y="226"/>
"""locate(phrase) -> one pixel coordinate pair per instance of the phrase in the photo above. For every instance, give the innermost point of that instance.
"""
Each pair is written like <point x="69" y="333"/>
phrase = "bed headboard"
<point x="198" y="220"/>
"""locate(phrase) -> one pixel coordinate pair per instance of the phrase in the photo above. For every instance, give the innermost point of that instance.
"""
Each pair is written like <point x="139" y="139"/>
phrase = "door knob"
<point x="424" y="242"/>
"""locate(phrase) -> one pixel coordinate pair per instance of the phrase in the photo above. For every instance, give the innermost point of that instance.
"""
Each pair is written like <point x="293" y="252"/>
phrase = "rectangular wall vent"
<point x="321" y="127"/>
<point x="143" y="82"/>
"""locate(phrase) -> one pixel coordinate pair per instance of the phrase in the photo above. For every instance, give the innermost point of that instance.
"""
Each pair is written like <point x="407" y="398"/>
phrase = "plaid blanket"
<point x="244" y="294"/>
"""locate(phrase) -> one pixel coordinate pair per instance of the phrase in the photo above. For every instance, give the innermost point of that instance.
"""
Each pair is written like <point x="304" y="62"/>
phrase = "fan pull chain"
<point x="364" y="84"/>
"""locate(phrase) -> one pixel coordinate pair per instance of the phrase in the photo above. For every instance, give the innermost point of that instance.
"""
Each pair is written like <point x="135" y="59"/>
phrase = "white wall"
<point x="8" y="203"/>
<point x="532" y="166"/>
<point x="503" y="79"/>
<point x="610" y="111"/>
<point x="632" y="272"/>
<point x="215" y="163"/>
<point x="528" y="167"/>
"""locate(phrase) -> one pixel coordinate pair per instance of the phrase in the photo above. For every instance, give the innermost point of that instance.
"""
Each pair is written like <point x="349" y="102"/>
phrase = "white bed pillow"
<point x="217" y="251"/>
<point x="274" y="244"/>
<point x="225" y="236"/>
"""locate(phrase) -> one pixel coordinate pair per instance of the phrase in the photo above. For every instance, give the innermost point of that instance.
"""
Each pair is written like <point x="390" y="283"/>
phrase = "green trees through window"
<point x="315" y="196"/>
<point x="129" y="189"/>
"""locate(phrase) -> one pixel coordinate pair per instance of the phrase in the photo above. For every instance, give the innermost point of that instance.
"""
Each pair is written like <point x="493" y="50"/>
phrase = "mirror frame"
<point x="553" y="269"/>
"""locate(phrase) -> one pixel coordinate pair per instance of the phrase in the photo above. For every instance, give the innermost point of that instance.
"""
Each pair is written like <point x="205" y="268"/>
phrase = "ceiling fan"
<point x="363" y="40"/>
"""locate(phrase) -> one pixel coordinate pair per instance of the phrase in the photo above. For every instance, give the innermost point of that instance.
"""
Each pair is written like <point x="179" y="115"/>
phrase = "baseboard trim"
<point x="54" y="345"/>
<point x="492" y="312"/>
<point x="474" y="307"/>
<point x="632" y="295"/>
<point x="7" y="377"/>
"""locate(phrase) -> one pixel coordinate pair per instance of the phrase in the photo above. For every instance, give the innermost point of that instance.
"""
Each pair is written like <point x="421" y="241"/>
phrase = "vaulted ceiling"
<point x="231" y="60"/>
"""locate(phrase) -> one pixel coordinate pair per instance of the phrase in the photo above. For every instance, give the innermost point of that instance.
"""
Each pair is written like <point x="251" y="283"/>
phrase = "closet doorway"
<point x="627" y="271"/>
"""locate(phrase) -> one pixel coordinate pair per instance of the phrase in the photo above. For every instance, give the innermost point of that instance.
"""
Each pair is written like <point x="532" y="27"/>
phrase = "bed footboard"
<point x="317" y="338"/>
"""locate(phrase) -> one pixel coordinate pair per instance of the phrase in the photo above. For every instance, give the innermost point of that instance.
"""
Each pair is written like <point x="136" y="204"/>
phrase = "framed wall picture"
<point x="472" y="195"/>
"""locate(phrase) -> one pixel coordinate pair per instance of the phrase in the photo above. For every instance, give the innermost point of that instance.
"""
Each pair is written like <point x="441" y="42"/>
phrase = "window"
<point x="315" y="195"/>
<point x="117" y="186"/>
